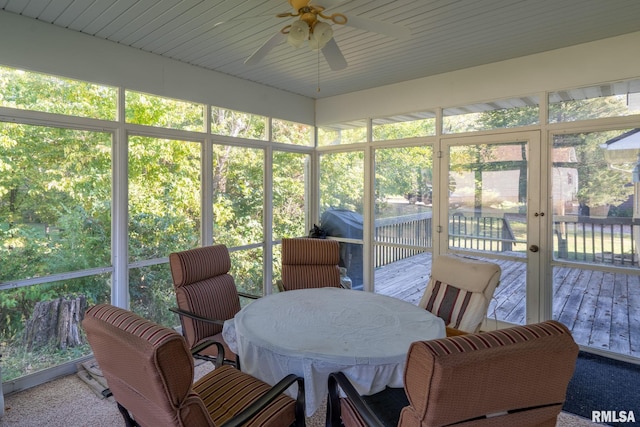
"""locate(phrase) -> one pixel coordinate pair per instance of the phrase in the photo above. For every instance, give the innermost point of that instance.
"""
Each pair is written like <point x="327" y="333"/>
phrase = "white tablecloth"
<point x="314" y="332"/>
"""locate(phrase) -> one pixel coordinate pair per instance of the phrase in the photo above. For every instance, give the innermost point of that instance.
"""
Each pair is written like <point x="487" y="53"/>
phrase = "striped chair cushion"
<point x="309" y="276"/>
<point x="460" y="309"/>
<point x="198" y="264"/>
<point x="148" y="367"/>
<point x="460" y="378"/>
<point x="204" y="287"/>
<point x="459" y="291"/>
<point x="310" y="263"/>
<point x="150" y="372"/>
<point x="303" y="251"/>
<point x="217" y="388"/>
<point x="214" y="298"/>
<point x="499" y="338"/>
<point x="129" y="322"/>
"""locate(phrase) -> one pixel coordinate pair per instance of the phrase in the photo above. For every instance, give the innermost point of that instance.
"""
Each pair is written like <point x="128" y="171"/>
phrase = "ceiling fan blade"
<point x="396" y="31"/>
<point x="266" y="47"/>
<point x="334" y="56"/>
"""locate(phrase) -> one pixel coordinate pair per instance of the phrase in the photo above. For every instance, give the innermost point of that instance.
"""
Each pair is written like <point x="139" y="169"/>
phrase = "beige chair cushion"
<point x="460" y="290"/>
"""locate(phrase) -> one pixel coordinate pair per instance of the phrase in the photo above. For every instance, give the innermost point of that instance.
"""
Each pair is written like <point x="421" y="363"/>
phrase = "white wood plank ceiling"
<point x="446" y="35"/>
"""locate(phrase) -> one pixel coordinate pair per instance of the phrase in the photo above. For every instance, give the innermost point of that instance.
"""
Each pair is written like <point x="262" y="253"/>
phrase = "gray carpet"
<point x="602" y="383"/>
<point x="70" y="402"/>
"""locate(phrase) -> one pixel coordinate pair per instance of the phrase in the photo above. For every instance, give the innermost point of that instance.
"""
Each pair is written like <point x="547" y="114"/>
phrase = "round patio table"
<point x="314" y="332"/>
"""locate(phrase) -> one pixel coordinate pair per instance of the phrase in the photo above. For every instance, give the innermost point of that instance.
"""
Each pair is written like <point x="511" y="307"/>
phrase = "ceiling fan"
<point x="312" y="27"/>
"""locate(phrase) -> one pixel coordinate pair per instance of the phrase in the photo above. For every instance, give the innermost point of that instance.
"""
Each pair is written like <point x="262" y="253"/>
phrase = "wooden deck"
<point x="601" y="309"/>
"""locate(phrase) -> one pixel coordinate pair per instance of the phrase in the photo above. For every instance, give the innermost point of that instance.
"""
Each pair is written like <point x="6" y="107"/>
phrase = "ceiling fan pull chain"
<point x="318" y="57"/>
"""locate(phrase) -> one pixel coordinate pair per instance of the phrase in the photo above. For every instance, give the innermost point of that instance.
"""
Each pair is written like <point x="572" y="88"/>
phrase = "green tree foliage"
<point x="291" y="133"/>
<point x="342" y="181"/>
<point x="152" y="110"/>
<point x="289" y="194"/>
<point x="55" y="200"/>
<point x="50" y="207"/>
<point x="237" y="124"/>
<point x="164" y="216"/>
<point x="40" y="92"/>
<point x="404" y="172"/>
<point x="402" y="130"/>
<point x="238" y="195"/>
<point x="599" y="183"/>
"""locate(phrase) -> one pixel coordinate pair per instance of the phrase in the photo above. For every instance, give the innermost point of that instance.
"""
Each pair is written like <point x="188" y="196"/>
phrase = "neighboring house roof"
<point x="624" y="148"/>
<point x="627" y="141"/>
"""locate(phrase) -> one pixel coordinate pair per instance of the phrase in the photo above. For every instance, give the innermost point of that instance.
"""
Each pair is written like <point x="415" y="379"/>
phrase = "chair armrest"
<point x="195" y="351"/>
<point x="219" y="360"/>
<point x="246" y="295"/>
<point x="337" y="381"/>
<point x="194" y="316"/>
<point x="275" y="391"/>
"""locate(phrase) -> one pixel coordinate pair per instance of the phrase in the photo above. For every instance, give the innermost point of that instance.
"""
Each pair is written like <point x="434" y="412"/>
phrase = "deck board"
<point x="586" y="309"/>
<point x="601" y="309"/>
<point x="619" y="317"/>
<point x="601" y="328"/>
<point x="509" y="298"/>
<point x="565" y="298"/>
<point x="634" y="314"/>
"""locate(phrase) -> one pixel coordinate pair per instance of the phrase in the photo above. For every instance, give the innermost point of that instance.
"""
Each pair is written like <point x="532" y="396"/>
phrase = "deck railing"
<point x="599" y="240"/>
<point x="469" y="232"/>
<point x="484" y="233"/>
<point x="407" y="230"/>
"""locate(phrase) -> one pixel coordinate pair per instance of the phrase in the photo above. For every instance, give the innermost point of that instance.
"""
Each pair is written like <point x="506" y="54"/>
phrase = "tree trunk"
<point x="55" y="323"/>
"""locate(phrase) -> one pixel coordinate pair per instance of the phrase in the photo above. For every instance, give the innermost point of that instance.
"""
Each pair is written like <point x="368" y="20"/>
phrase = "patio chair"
<point x="206" y="295"/>
<point x="459" y="291"/>
<point x="310" y="263"/>
<point x="149" y="371"/>
<point x="510" y="377"/>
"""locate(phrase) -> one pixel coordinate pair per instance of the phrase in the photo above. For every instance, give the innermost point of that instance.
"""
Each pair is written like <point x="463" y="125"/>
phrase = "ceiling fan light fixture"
<point x="298" y="33"/>
<point x="322" y="33"/>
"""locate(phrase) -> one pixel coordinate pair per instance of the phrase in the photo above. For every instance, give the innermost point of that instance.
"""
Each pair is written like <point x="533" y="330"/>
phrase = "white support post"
<point x="636" y="208"/>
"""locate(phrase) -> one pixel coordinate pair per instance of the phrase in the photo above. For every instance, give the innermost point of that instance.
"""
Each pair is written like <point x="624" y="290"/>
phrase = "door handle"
<point x="534" y="248"/>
